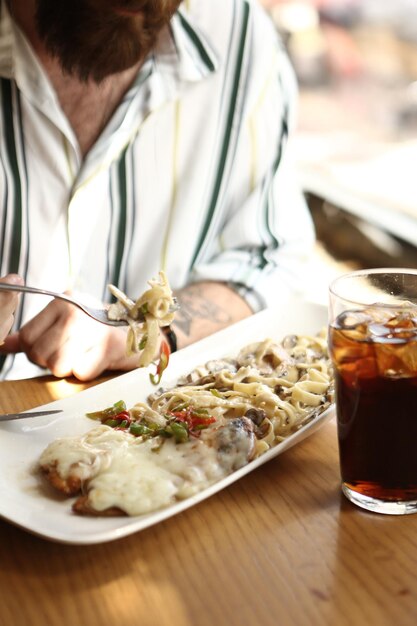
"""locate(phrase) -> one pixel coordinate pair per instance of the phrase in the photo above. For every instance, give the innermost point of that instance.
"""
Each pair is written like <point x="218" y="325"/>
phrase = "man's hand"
<point x="69" y="343"/>
<point x="8" y="304"/>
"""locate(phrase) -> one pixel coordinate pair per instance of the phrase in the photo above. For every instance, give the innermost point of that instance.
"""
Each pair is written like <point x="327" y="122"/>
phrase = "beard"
<point x="93" y="39"/>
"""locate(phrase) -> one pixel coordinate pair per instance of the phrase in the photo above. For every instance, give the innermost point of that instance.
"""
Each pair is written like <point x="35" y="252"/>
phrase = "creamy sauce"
<point x="82" y="457"/>
<point x="131" y="474"/>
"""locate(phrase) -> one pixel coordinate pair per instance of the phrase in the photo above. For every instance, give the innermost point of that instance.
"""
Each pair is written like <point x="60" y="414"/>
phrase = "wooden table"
<point x="279" y="547"/>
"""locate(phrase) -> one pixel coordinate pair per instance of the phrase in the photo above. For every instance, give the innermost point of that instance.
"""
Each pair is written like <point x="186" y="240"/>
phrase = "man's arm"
<point x="206" y="307"/>
<point x="69" y="343"/>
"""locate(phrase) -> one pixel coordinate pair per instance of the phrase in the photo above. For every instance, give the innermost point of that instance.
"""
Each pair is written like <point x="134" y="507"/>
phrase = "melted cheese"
<point x="82" y="457"/>
<point x="125" y="472"/>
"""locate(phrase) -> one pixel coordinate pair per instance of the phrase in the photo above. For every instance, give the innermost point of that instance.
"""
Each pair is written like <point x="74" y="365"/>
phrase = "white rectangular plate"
<point x="27" y="503"/>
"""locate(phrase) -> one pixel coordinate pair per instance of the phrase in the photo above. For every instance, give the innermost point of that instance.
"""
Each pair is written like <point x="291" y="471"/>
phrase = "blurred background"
<point x="356" y="143"/>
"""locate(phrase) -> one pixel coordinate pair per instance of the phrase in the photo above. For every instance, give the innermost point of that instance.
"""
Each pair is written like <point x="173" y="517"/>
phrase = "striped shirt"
<point x="189" y="175"/>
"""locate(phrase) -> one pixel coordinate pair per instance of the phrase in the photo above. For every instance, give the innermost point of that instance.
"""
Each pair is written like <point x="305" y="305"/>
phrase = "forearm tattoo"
<point x="194" y="306"/>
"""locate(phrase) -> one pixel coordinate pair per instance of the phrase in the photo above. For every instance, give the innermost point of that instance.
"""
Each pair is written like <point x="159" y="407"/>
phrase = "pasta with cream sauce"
<point x="280" y="386"/>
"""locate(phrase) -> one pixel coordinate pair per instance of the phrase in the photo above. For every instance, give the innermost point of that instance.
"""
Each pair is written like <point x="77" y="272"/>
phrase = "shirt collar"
<point x="183" y="52"/>
<point x="6" y="42"/>
<point x="19" y="62"/>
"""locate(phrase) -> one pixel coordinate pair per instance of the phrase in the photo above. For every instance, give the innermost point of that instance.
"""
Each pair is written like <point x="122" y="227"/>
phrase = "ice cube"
<point x="401" y="326"/>
<point x="396" y="357"/>
<point x="353" y="320"/>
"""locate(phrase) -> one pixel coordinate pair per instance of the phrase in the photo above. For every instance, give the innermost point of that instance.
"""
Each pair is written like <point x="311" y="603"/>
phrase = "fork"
<point x="98" y="314"/>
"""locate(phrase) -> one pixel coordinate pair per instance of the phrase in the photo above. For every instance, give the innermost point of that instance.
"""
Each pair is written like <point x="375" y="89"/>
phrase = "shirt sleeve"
<point x="266" y="236"/>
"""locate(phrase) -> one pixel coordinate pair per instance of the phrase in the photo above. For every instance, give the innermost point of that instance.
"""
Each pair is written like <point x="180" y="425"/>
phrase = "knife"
<point x="16" y="416"/>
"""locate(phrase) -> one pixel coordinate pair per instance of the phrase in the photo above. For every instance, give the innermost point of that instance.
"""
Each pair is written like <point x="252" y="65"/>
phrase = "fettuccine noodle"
<point x="154" y="308"/>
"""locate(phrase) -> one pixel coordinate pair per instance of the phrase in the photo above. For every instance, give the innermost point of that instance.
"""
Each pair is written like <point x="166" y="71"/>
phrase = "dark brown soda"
<point x="376" y="402"/>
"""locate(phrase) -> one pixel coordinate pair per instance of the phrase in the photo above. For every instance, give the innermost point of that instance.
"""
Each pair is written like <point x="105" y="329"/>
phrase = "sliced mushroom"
<point x="256" y="415"/>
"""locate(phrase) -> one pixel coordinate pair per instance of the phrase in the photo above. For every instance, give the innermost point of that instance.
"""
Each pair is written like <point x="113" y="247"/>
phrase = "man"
<point x="135" y="136"/>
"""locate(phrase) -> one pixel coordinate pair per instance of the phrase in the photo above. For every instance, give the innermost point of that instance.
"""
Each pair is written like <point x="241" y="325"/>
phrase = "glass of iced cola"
<point x="373" y="347"/>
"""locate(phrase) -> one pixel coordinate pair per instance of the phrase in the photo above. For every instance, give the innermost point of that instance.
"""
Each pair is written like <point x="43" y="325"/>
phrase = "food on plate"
<point x="153" y="309"/>
<point x="216" y="420"/>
